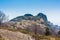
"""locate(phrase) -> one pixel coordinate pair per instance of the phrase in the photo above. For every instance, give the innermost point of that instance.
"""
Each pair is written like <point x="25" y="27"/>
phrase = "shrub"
<point x="1" y="38"/>
<point x="47" y="31"/>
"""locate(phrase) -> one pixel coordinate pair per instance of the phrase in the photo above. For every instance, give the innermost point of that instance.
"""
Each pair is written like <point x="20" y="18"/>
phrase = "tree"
<point x="2" y="17"/>
<point x="47" y="31"/>
<point x="58" y="32"/>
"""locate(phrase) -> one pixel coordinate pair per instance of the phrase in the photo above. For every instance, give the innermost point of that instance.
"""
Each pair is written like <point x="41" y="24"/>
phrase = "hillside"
<point x="10" y="35"/>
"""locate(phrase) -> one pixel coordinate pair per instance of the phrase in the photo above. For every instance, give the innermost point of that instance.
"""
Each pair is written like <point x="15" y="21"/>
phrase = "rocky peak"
<point x="28" y="15"/>
<point x="41" y="15"/>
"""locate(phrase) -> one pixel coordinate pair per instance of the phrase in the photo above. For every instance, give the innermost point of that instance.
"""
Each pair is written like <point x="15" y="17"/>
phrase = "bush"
<point x="22" y="30"/>
<point x="47" y="31"/>
<point x="1" y="38"/>
<point x="58" y="32"/>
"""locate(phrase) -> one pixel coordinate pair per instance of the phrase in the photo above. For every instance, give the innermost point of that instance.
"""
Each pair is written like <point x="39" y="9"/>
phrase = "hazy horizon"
<point x="14" y="8"/>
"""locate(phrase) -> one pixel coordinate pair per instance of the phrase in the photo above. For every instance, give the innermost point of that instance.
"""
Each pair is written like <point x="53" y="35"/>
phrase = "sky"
<point x="14" y="8"/>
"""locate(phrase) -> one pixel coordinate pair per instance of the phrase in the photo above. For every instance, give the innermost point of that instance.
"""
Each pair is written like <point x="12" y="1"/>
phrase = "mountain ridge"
<point x="30" y="17"/>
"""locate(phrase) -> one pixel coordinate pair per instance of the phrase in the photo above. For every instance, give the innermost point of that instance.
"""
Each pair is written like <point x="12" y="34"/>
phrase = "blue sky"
<point x="14" y="8"/>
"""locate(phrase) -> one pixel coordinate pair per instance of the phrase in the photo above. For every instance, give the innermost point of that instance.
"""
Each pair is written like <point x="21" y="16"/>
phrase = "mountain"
<point x="30" y="22"/>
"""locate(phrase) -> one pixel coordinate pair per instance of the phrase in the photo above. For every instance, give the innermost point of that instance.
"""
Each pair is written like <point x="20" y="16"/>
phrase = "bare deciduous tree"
<point x="2" y="17"/>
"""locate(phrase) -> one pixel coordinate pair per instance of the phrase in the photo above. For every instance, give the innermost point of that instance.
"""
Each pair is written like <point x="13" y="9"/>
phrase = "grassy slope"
<point x="33" y="35"/>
